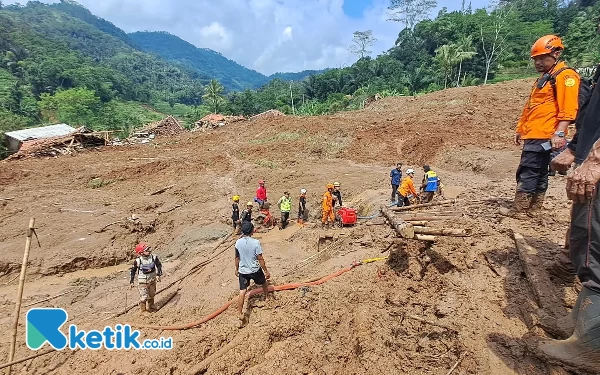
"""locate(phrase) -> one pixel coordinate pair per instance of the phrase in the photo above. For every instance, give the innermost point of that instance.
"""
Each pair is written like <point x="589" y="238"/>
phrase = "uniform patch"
<point x="570" y="82"/>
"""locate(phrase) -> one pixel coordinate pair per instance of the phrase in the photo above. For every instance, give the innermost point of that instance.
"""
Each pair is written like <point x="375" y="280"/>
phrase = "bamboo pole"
<point x="432" y="204"/>
<point x="444" y="231"/>
<point x="403" y="228"/>
<point x="15" y="323"/>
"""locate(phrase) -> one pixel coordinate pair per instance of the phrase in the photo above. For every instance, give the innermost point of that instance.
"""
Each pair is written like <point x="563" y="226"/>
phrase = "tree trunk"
<point x="459" y="71"/>
<point x="404" y="229"/>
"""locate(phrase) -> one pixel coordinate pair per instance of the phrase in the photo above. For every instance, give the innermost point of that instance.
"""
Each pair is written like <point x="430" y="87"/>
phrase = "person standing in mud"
<point x="246" y="214"/>
<point x="261" y="194"/>
<point x="581" y="351"/>
<point x="285" y="206"/>
<point x="249" y="265"/>
<point x="149" y="270"/>
<point x="235" y="212"/>
<point x="396" y="179"/>
<point x="301" y="207"/>
<point x="551" y="107"/>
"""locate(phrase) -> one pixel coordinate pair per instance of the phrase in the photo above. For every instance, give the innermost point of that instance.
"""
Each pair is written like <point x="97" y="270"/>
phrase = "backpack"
<point x="147" y="268"/>
<point x="586" y="87"/>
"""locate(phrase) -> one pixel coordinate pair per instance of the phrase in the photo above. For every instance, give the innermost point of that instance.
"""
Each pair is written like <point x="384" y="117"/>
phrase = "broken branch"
<point x="162" y="190"/>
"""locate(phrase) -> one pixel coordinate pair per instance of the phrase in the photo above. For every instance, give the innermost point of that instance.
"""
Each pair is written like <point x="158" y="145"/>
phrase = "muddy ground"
<point x="91" y="209"/>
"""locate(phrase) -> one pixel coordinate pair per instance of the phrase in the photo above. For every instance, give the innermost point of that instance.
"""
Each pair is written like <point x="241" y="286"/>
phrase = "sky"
<point x="265" y="35"/>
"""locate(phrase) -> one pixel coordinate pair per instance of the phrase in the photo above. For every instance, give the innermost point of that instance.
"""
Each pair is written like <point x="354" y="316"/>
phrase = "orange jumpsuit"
<point x="328" y="214"/>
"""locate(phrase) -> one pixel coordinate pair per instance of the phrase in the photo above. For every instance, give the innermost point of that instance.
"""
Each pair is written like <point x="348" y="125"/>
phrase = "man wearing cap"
<point x="249" y="265"/>
<point x="246" y="215"/>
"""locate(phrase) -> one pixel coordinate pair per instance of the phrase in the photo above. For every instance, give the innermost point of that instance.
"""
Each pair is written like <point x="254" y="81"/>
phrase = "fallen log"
<point x="423" y="237"/>
<point x="417" y="223"/>
<point x="432" y="204"/>
<point x="545" y="294"/>
<point x="403" y="228"/>
<point x="443" y="231"/>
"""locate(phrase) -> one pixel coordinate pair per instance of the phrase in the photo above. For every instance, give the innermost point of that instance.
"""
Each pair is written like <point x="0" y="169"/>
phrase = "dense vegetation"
<point x="60" y="63"/>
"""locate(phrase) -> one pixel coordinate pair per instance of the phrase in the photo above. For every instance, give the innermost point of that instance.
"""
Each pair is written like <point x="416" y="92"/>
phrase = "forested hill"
<point x="204" y="61"/>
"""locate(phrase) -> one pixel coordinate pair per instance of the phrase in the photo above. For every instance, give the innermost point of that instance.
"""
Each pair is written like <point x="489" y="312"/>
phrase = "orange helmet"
<point x="546" y="44"/>
<point x="330" y="186"/>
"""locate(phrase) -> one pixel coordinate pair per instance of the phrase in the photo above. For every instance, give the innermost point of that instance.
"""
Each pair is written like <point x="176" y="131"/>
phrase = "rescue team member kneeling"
<point x="552" y="106"/>
<point x="249" y="265"/>
<point x="149" y="270"/>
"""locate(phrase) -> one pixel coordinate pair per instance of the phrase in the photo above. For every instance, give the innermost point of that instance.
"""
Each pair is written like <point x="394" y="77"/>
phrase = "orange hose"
<point x="250" y="294"/>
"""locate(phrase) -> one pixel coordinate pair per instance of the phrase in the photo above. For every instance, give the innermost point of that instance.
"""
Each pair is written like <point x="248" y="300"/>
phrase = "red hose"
<point x="252" y="293"/>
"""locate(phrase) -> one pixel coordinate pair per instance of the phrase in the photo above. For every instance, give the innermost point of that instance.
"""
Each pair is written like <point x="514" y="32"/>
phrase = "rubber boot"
<point x="581" y="351"/>
<point x="537" y="203"/>
<point x="519" y="208"/>
<point x="150" y="304"/>
<point x="562" y="268"/>
<point x="142" y="306"/>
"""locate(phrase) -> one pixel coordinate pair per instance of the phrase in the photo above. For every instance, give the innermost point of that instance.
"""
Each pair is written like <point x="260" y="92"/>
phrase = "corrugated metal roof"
<point x="42" y="132"/>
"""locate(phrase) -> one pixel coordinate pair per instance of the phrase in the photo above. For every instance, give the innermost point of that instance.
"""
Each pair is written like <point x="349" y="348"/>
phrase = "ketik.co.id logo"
<point x="43" y="325"/>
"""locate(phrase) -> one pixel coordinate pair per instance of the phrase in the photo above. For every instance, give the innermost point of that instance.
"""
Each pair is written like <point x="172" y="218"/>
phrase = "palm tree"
<point x="465" y="51"/>
<point x="214" y="95"/>
<point x="446" y="57"/>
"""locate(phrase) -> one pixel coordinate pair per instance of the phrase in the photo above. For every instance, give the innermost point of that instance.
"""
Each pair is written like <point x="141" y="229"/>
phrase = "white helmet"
<point x="302" y="191"/>
<point x="410" y="171"/>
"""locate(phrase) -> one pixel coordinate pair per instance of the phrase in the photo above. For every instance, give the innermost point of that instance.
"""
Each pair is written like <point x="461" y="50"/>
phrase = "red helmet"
<point x="141" y="247"/>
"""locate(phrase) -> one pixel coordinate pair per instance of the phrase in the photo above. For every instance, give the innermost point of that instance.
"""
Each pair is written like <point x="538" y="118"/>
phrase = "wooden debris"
<point x="267" y="114"/>
<point x="432" y="204"/>
<point x="545" y="294"/>
<point x="423" y="237"/>
<point x="167" y="126"/>
<point x="6" y="199"/>
<point x="403" y="228"/>
<point x="170" y="209"/>
<point x="161" y="190"/>
<point x="108" y="225"/>
<point x="425" y="217"/>
<point x="417" y="223"/>
<point x="444" y="231"/>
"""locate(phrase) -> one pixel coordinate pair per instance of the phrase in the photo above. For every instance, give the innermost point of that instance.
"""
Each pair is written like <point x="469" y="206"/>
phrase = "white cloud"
<point x="215" y="36"/>
<point x="265" y="35"/>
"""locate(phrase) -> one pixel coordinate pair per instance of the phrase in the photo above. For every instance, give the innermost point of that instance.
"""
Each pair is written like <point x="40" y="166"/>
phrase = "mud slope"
<point x="460" y="300"/>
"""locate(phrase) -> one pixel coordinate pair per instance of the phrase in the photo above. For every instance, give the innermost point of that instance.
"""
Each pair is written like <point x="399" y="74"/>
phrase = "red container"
<point x="347" y="216"/>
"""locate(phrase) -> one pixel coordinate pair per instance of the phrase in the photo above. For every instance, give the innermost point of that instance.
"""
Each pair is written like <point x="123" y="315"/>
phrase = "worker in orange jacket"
<point x="407" y="189"/>
<point x="551" y="107"/>
<point x="328" y="215"/>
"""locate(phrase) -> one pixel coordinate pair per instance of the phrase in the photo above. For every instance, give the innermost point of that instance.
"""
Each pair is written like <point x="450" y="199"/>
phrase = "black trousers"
<point x="532" y="174"/>
<point x="585" y="242"/>
<point x="403" y="201"/>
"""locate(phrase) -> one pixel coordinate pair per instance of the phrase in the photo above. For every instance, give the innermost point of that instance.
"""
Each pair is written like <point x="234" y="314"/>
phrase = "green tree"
<point x="214" y="95"/>
<point x="75" y="107"/>
<point x="465" y="50"/>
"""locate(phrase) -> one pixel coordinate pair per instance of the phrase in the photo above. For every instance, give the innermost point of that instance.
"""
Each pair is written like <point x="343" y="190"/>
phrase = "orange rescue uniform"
<point x="328" y="214"/>
<point x="408" y="187"/>
<point x="542" y="112"/>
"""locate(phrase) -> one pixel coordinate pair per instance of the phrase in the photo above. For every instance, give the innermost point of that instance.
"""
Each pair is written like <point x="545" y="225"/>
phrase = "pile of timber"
<point x="167" y="126"/>
<point x="414" y="226"/>
<point x="213" y="121"/>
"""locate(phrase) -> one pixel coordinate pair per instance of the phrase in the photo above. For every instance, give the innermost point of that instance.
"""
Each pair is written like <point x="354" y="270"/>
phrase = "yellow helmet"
<point x="236" y="198"/>
<point x="330" y="186"/>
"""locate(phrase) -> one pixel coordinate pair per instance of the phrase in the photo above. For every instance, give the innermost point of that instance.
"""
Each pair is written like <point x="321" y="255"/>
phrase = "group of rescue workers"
<point x="558" y="98"/>
<point x="405" y="189"/>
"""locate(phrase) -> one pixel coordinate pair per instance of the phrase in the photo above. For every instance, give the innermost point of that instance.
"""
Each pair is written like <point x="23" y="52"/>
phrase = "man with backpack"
<point x="149" y="270"/>
<point x="552" y="106"/>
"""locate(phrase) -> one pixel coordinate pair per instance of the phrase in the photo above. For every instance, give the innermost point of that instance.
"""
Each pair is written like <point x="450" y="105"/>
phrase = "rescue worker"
<point x="551" y="107"/>
<point x="285" y="206"/>
<point x="581" y="351"/>
<point x="407" y="189"/>
<point x="328" y="215"/>
<point x="235" y="212"/>
<point x="337" y="194"/>
<point x="246" y="214"/>
<point x="249" y="265"/>
<point x="149" y="270"/>
<point x="430" y="184"/>
<point x="302" y="207"/>
<point x="396" y="178"/>
<point x="261" y="194"/>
